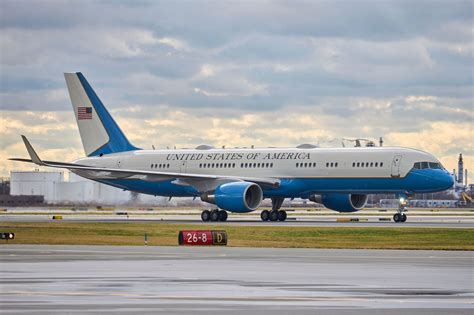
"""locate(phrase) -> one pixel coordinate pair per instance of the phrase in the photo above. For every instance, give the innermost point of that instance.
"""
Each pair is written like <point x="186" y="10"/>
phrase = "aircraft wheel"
<point x="273" y="215"/>
<point x="205" y="215"/>
<point x="403" y="218"/>
<point x="214" y="215"/>
<point x="282" y="215"/>
<point x="396" y="217"/>
<point x="265" y="215"/>
<point x="222" y="215"/>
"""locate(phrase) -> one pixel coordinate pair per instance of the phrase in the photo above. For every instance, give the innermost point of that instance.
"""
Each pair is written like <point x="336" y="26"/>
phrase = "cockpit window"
<point x="425" y="165"/>
<point x="435" y="165"/>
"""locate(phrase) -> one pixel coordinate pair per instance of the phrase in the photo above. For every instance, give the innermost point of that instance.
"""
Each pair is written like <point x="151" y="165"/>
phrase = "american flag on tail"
<point x="84" y="113"/>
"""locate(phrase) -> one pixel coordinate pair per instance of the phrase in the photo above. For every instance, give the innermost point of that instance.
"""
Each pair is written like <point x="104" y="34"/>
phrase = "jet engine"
<point x="341" y="202"/>
<point x="236" y="196"/>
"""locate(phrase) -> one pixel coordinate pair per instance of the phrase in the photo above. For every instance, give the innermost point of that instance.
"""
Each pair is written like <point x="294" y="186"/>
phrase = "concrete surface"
<point x="204" y="280"/>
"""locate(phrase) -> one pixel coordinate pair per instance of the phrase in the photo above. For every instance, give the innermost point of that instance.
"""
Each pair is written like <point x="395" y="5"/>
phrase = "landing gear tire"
<point x="273" y="216"/>
<point x="265" y="215"/>
<point x="397" y="217"/>
<point x="222" y="216"/>
<point x="214" y="215"/>
<point x="282" y="215"/>
<point x="403" y="218"/>
<point x="205" y="215"/>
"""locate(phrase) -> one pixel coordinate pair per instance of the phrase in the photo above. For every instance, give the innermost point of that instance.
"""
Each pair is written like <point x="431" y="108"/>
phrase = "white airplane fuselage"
<point x="302" y="172"/>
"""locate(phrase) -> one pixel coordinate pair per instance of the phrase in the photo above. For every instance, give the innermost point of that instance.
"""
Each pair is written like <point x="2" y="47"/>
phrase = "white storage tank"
<point x="35" y="183"/>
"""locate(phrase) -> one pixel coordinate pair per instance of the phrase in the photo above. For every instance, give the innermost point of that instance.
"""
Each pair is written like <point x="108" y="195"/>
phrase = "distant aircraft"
<point x="237" y="180"/>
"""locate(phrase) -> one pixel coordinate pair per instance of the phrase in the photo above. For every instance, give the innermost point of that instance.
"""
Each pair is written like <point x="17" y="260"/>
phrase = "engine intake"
<point x="236" y="197"/>
<point x="341" y="202"/>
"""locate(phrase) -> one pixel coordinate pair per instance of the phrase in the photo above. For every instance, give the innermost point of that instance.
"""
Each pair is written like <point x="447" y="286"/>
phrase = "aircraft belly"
<point x="290" y="188"/>
<point x="166" y="188"/>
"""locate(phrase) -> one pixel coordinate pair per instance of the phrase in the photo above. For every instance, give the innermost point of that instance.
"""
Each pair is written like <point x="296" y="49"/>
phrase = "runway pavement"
<point x="173" y="280"/>
<point x="293" y="220"/>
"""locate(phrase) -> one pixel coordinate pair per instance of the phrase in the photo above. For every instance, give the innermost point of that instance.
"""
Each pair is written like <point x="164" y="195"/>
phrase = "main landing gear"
<point x="275" y="214"/>
<point x="214" y="215"/>
<point x="400" y="216"/>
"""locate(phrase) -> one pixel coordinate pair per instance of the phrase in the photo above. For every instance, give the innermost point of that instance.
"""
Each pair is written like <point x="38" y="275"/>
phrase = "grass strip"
<point x="132" y="233"/>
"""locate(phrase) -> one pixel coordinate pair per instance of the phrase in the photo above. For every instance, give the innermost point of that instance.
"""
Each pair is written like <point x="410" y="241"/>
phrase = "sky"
<point x="241" y="73"/>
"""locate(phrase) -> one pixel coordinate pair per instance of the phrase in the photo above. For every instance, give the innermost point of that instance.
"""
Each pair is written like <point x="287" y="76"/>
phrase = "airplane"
<point x="238" y="179"/>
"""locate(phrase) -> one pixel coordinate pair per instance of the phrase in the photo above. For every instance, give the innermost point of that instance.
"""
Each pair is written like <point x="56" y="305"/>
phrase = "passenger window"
<point x="353" y="164"/>
<point x="305" y="164"/>
<point x="381" y="164"/>
<point x="233" y="164"/>
<point x="254" y="165"/>
<point x="376" y="164"/>
<point x="358" y="164"/>
<point x="271" y="164"/>
<point x="335" y="164"/>
<point x="362" y="164"/>
<point x="258" y="165"/>
<point x="297" y="164"/>
<point x="314" y="164"/>
<point x="371" y="164"/>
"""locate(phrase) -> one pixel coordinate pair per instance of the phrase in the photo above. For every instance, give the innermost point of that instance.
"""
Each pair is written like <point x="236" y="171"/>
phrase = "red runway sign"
<point x="202" y="238"/>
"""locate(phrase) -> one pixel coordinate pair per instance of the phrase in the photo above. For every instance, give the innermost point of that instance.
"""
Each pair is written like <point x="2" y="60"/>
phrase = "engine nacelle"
<point x="341" y="202"/>
<point x="236" y="196"/>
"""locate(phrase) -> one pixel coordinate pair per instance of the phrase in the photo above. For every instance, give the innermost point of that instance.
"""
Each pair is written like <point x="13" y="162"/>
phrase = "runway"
<point x="173" y="280"/>
<point x="302" y="221"/>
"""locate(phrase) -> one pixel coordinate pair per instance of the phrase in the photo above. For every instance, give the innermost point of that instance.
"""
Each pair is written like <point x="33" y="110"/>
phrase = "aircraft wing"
<point x="94" y="172"/>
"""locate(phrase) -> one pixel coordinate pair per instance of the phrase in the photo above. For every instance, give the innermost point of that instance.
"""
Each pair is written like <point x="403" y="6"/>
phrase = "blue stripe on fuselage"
<point x="417" y="181"/>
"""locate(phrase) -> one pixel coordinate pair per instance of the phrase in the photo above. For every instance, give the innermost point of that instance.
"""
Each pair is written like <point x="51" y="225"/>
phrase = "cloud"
<point x="264" y="73"/>
<point x="173" y="42"/>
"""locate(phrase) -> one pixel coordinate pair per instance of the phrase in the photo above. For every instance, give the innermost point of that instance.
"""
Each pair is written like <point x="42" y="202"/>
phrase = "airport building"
<point x="56" y="190"/>
<point x="36" y="187"/>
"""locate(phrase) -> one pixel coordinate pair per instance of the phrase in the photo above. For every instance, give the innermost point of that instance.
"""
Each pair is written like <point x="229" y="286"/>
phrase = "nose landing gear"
<point x="275" y="214"/>
<point x="400" y="216"/>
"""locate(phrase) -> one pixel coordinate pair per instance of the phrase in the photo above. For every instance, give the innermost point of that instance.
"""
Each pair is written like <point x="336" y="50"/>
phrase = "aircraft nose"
<point x="447" y="180"/>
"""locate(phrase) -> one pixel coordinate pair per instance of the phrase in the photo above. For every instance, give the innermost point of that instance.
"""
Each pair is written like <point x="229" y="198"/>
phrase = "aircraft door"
<point x="182" y="167"/>
<point x="396" y="165"/>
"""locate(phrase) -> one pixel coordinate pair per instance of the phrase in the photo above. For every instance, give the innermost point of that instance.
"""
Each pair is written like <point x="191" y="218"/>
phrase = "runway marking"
<point x="266" y="298"/>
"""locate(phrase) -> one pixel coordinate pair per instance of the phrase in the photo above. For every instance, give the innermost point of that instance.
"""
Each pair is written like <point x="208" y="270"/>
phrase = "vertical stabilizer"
<point x="100" y="134"/>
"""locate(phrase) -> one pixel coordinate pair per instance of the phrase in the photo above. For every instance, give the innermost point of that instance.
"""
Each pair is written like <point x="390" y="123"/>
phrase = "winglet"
<point x="34" y="157"/>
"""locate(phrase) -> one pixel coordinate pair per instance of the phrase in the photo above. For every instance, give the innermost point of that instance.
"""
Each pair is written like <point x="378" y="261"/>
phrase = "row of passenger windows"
<point x="160" y="166"/>
<point x="306" y="164"/>
<point x="217" y="165"/>
<point x="232" y="165"/>
<point x="367" y="164"/>
<point x="419" y="165"/>
<point x="256" y="165"/>
<point x="424" y="165"/>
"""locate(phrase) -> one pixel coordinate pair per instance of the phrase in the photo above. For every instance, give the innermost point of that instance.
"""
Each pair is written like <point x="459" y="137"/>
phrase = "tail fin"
<point x="100" y="134"/>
